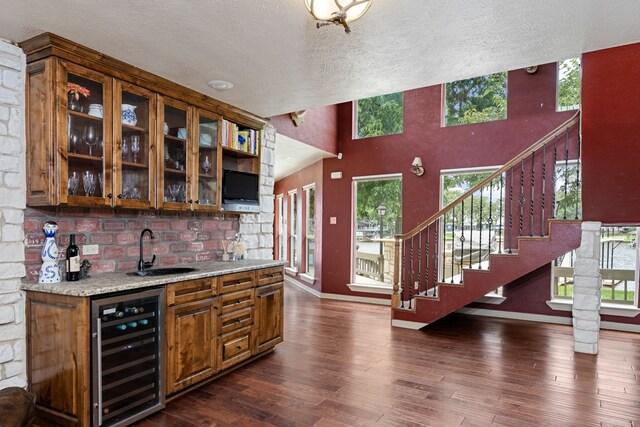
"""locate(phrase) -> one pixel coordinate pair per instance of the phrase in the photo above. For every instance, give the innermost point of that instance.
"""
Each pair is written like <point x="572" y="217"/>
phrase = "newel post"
<point x="395" y="299"/>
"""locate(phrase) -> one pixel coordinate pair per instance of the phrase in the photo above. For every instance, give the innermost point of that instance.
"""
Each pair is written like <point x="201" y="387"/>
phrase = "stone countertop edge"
<point x="118" y="282"/>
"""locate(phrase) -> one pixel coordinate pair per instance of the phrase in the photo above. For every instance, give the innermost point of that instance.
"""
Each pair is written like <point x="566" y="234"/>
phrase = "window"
<point x="568" y="201"/>
<point x="471" y="234"/>
<point x="293" y="222"/>
<point x="379" y="115"/>
<point x="378" y="209"/>
<point x="310" y="227"/>
<point x="476" y="100"/>
<point x="618" y="267"/>
<point x="569" y="83"/>
<point x="282" y="229"/>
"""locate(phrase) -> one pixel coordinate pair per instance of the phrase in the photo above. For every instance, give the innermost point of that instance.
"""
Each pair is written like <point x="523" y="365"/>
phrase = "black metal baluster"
<point x="471" y="233"/>
<point x="544" y="185"/>
<point x="510" y="208"/>
<point x="480" y="231"/>
<point x="490" y="220"/>
<point x="435" y="256"/>
<point x="453" y="239"/>
<point x="500" y="222"/>
<point x="411" y="272"/>
<point x="402" y="271"/>
<point x="418" y="277"/>
<point x="532" y="193"/>
<point x="426" y="263"/>
<point x="521" y="198"/>
<point x="566" y="171"/>
<point x="578" y="194"/>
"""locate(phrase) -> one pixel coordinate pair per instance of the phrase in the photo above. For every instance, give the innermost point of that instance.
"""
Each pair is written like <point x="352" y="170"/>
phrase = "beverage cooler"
<point x="127" y="360"/>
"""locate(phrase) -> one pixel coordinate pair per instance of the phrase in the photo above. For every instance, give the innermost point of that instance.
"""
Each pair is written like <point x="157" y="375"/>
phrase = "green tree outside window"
<point x="569" y="84"/>
<point x="476" y="100"/>
<point x="380" y="115"/>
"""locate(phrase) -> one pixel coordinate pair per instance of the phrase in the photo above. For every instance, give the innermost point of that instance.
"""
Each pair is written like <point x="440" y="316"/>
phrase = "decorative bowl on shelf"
<point x="96" y="110"/>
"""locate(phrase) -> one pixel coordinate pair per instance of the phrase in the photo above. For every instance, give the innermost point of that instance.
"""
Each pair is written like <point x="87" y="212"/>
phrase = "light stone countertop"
<point x="116" y="282"/>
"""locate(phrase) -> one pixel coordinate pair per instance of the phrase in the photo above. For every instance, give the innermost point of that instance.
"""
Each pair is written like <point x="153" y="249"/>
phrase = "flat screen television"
<point x="240" y="187"/>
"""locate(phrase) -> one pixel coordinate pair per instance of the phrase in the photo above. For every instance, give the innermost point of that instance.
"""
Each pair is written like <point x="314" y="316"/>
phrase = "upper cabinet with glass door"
<point x="87" y="130"/>
<point x="205" y="164"/>
<point x="135" y="135"/>
<point x="173" y="187"/>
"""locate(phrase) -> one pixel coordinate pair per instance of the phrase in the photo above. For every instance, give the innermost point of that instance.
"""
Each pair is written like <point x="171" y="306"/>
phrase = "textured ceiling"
<point x="279" y="62"/>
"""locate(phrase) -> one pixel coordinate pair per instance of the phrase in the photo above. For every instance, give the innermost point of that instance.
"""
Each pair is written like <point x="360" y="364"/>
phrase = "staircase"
<point x="527" y="213"/>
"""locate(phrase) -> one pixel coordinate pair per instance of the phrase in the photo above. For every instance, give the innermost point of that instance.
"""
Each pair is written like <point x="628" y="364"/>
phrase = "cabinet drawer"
<point x="235" y="320"/>
<point x="234" y="347"/>
<point x="236" y="301"/>
<point x="269" y="275"/>
<point x="235" y="282"/>
<point x="189" y="291"/>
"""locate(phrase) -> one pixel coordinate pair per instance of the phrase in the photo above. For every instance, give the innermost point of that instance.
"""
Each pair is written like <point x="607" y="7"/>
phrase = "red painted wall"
<point x="309" y="175"/>
<point x="611" y="134"/>
<point x="318" y="130"/>
<point x="180" y="237"/>
<point x="530" y="115"/>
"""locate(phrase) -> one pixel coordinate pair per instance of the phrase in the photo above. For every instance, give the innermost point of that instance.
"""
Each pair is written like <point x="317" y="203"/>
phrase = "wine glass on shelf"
<point x="73" y="183"/>
<point x="90" y="137"/>
<point x="174" y="191"/>
<point x="74" y="139"/>
<point x="135" y="147"/>
<point x="101" y="183"/>
<point x="89" y="183"/>
<point x="125" y="148"/>
<point x="206" y="165"/>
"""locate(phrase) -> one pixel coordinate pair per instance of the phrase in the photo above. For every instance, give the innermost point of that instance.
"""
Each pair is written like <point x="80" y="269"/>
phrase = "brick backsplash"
<point x="180" y="237"/>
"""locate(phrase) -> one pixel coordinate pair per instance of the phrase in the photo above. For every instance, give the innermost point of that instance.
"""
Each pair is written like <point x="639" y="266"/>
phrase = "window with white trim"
<point x="282" y="229"/>
<point x="618" y="268"/>
<point x="569" y="84"/>
<point x="293" y="230"/>
<point x="310" y="229"/>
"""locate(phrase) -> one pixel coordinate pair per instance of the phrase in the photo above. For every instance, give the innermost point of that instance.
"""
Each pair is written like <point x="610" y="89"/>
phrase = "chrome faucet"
<point x="142" y="264"/>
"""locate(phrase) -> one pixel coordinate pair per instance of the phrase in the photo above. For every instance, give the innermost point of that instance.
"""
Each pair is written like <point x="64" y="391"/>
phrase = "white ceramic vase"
<point x="49" y="271"/>
<point x="129" y="115"/>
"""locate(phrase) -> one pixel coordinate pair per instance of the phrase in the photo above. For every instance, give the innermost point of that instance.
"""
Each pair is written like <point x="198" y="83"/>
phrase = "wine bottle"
<point x="73" y="260"/>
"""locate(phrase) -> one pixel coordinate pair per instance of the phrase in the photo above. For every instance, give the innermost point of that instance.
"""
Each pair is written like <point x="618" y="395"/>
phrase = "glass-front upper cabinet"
<point x="174" y="119"/>
<point x="205" y="165"/>
<point x="135" y="159"/>
<point x="87" y="127"/>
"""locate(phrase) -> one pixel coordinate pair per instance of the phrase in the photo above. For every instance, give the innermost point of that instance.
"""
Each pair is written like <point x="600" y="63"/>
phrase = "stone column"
<point x="12" y="204"/>
<point x="257" y="229"/>
<point x="586" y="290"/>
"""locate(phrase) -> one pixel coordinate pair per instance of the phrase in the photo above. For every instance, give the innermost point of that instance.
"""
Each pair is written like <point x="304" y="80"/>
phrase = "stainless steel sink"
<point x="163" y="271"/>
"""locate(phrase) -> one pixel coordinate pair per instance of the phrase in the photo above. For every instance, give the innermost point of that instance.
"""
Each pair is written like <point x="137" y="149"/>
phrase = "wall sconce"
<point x="338" y="12"/>
<point x="416" y="167"/>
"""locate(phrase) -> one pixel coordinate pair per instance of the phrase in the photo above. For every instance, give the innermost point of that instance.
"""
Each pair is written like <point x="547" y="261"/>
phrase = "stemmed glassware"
<point x="135" y="147"/>
<point x="90" y="137"/>
<point x="89" y="183"/>
<point x="74" y="139"/>
<point x="125" y="148"/>
<point x="73" y="183"/>
<point x="206" y="165"/>
<point x="174" y="192"/>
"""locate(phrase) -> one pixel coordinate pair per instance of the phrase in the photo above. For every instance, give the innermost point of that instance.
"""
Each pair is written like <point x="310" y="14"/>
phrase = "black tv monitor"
<point x="240" y="187"/>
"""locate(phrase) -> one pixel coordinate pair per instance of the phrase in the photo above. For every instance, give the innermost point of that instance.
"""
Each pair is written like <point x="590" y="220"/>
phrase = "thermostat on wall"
<point x="336" y="175"/>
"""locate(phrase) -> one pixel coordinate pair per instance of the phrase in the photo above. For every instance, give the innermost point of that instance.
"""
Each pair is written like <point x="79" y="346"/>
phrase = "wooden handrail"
<point x="537" y="145"/>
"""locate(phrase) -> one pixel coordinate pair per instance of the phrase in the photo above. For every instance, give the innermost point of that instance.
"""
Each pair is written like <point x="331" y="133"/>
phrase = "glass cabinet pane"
<point x="135" y="154"/>
<point x="85" y="137"/>
<point x="175" y="155"/>
<point x="207" y="162"/>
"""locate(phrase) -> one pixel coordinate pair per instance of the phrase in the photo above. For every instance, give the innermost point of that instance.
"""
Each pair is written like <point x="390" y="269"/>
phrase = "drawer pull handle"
<point x="238" y="301"/>
<point x="239" y="281"/>
<point x="237" y="320"/>
<point x="238" y="347"/>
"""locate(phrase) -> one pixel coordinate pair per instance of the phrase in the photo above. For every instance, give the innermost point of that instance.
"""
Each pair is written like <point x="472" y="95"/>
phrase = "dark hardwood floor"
<point x="341" y="364"/>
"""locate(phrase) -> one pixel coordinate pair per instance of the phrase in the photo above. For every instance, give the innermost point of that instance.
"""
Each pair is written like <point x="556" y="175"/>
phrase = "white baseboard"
<point x="337" y="297"/>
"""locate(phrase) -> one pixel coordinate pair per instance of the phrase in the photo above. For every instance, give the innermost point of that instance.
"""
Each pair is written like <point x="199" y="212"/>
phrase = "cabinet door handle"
<point x="119" y="196"/>
<point x="197" y="201"/>
<point x="109" y="196"/>
<point x="190" y="201"/>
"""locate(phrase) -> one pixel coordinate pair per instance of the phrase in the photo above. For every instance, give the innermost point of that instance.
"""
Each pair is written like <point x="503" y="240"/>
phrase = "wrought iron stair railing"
<point x="516" y="201"/>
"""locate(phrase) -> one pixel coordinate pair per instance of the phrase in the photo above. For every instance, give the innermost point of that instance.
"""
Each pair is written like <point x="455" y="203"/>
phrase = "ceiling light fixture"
<point x="339" y="12"/>
<point x="220" y="84"/>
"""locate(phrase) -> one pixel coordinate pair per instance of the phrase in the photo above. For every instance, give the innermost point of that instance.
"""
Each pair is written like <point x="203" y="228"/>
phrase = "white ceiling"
<point x="279" y="62"/>
<point x="293" y="155"/>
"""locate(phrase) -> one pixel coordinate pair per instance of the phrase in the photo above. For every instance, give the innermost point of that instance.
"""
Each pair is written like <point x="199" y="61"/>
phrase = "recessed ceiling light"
<point x="220" y="84"/>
